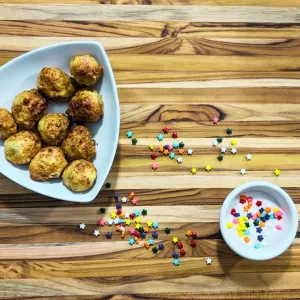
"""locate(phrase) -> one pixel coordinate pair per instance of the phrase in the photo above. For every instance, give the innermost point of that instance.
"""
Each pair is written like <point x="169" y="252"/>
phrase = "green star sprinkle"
<point x="181" y="145"/>
<point x="154" y="250"/>
<point x="102" y="210"/>
<point x="167" y="230"/>
<point x="107" y="185"/>
<point x="141" y="229"/>
<point x="247" y="225"/>
<point x="134" y="141"/>
<point x="255" y="223"/>
<point x="220" y="157"/>
<point x="219" y="140"/>
<point x="229" y="131"/>
<point x="144" y="212"/>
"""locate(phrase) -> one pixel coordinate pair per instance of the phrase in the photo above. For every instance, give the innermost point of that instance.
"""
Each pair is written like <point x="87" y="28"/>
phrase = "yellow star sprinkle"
<point x="241" y="233"/>
<point x="137" y="226"/>
<point x="149" y="224"/>
<point x="127" y="222"/>
<point x="137" y="220"/>
<point x="175" y="239"/>
<point x="277" y="172"/>
<point x="208" y="168"/>
<point x="233" y="142"/>
<point x="113" y="215"/>
<point x="275" y="209"/>
<point x="229" y="225"/>
<point x="151" y="147"/>
<point x="194" y="170"/>
<point x="241" y="219"/>
<point x="245" y="218"/>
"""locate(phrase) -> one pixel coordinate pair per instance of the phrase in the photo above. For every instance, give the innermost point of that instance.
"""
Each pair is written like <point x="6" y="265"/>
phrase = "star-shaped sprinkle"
<point x="208" y="261"/>
<point x="102" y="210"/>
<point x="248" y="156"/>
<point x="260" y="238"/>
<point x="278" y="227"/>
<point x="190" y="152"/>
<point x="229" y="131"/>
<point x="151" y="147"/>
<point x="141" y="229"/>
<point x="172" y="155"/>
<point x="153" y="155"/>
<point x="113" y="215"/>
<point x="149" y="223"/>
<point x="223" y="150"/>
<point x="108" y="235"/>
<point x="175" y="239"/>
<point x="101" y="222"/>
<point x="258" y="229"/>
<point x="154" y="250"/>
<point x="155" y="235"/>
<point x="155" y="225"/>
<point x="110" y="222"/>
<point x="137" y="220"/>
<point x="129" y="134"/>
<point x="137" y="213"/>
<point x="166" y="130"/>
<point x="144" y="212"/>
<point x="215" y="143"/>
<point x="176" y="262"/>
<point x="215" y="120"/>
<point x="233" y="151"/>
<point x="276" y="172"/>
<point x="170" y="148"/>
<point x="131" y="241"/>
<point x="220" y="157"/>
<point x="243" y="171"/>
<point x="166" y="152"/>
<point x="167" y="230"/>
<point x="174" y="135"/>
<point x="161" y="149"/>
<point x="133" y="201"/>
<point x="181" y="145"/>
<point x="128" y="222"/>
<point x="207" y="168"/>
<point x="194" y="171"/>
<point x="134" y="141"/>
<point x="229" y="225"/>
<point x="124" y="199"/>
<point x="175" y="255"/>
<point x="182" y="252"/>
<point x="188" y="233"/>
<point x="193" y="244"/>
<point x="96" y="233"/>
<point x="258" y="203"/>
<point x="146" y="229"/>
<point x="154" y="166"/>
<point x="143" y="235"/>
<point x="82" y="226"/>
<point x="161" y="246"/>
<point x="122" y="228"/>
<point x="160" y="137"/>
<point x="175" y="145"/>
<point x="137" y="226"/>
<point x="151" y="242"/>
<point x="179" y="159"/>
<point x="219" y="140"/>
<point x="107" y="185"/>
<point x="180" y="151"/>
<point x="131" y="230"/>
<point x="179" y="245"/>
<point x="233" y="142"/>
<point x="127" y="215"/>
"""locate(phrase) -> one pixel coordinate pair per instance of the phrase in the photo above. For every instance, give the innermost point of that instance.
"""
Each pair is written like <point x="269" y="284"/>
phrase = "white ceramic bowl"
<point x="278" y="241"/>
<point x="21" y="74"/>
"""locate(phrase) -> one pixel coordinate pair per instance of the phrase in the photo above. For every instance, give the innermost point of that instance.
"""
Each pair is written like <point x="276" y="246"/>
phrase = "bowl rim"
<point x="287" y="199"/>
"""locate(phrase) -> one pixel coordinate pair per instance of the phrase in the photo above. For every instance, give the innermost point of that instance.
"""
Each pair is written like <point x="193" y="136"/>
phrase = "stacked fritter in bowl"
<point x="49" y="143"/>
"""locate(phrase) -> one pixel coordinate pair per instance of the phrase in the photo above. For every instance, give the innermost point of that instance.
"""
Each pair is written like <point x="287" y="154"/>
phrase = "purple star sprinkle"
<point x="166" y="147"/>
<point x="175" y="255"/>
<point x="258" y="229"/>
<point x="155" y="235"/>
<point x="118" y="205"/>
<point x="249" y="215"/>
<point x="143" y="235"/>
<point x="108" y="235"/>
<point x="161" y="246"/>
<point x="261" y="210"/>
<point x="116" y="196"/>
<point x="236" y="215"/>
<point x="260" y="238"/>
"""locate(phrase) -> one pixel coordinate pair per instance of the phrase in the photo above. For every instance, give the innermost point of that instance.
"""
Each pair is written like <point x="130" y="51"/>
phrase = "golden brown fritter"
<point x="22" y="147"/>
<point x="79" y="144"/>
<point x="28" y="108"/>
<point x="7" y="124"/>
<point x="85" y="69"/>
<point x="55" y="84"/>
<point x="48" y="163"/>
<point x="85" y="107"/>
<point x="79" y="175"/>
<point x="53" y="128"/>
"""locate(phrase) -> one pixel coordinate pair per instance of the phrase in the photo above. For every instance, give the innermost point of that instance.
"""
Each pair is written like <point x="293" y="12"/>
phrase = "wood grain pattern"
<point x="177" y="63"/>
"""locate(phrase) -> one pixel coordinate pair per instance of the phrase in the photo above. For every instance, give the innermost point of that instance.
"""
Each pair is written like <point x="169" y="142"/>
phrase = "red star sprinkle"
<point x="233" y="211"/>
<point x="279" y="217"/>
<point x="193" y="244"/>
<point x="179" y="245"/>
<point x="153" y="155"/>
<point x="194" y="235"/>
<point x="249" y="199"/>
<point x="174" y="135"/>
<point x="166" y="130"/>
<point x="243" y="201"/>
<point x="137" y="233"/>
<point x="132" y="216"/>
<point x="182" y="252"/>
<point x="215" y="120"/>
<point x="119" y="211"/>
<point x="258" y="203"/>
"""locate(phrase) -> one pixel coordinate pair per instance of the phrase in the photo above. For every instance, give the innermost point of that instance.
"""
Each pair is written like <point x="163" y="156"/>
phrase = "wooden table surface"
<point x="177" y="63"/>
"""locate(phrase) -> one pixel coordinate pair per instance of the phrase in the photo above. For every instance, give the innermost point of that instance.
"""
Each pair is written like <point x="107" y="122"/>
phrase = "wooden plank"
<point x="150" y="13"/>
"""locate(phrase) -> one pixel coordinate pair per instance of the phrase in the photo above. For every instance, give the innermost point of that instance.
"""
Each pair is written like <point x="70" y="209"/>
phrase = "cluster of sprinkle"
<point x="244" y="220"/>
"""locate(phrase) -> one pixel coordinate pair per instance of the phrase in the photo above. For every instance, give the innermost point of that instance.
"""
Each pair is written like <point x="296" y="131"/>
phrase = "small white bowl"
<point x="278" y="240"/>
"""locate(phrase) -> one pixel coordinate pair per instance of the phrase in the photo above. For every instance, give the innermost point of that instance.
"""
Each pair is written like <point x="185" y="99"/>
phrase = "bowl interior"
<point x="277" y="240"/>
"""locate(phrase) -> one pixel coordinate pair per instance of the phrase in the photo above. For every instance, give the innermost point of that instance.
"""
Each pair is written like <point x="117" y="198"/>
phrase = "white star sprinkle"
<point x="116" y="221"/>
<point x="264" y="243"/>
<point x="223" y="150"/>
<point x="208" y="261"/>
<point x="248" y="156"/>
<point x="243" y="171"/>
<point x="124" y="199"/>
<point x="96" y="233"/>
<point x="110" y="222"/>
<point x="122" y="228"/>
<point x="82" y="226"/>
<point x="233" y="151"/>
<point x="215" y="143"/>
<point x="189" y="151"/>
<point x="127" y="215"/>
<point x="179" y="159"/>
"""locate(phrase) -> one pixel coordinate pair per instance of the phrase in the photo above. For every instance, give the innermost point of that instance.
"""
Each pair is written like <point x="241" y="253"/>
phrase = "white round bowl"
<point x="278" y="241"/>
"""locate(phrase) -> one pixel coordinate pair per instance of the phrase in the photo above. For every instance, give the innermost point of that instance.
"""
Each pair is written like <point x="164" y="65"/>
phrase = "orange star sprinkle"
<point x="246" y="239"/>
<point x="268" y="209"/>
<point x="180" y="151"/>
<point x="122" y="215"/>
<point x="117" y="227"/>
<point x="161" y="149"/>
<point x="262" y="224"/>
<point x="146" y="229"/>
<point x="131" y="195"/>
<point x="188" y="233"/>
<point x="166" y="152"/>
<point x="136" y="239"/>
<point x="146" y="245"/>
<point x="123" y="234"/>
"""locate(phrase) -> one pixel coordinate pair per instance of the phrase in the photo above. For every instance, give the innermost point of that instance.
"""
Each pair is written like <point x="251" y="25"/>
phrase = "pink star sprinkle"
<point x="154" y="166"/>
<point x="133" y="201"/>
<point x="235" y="221"/>
<point x="215" y="120"/>
<point x="278" y="227"/>
<point x="131" y="230"/>
<point x="101" y="222"/>
<point x="170" y="147"/>
<point x="254" y="217"/>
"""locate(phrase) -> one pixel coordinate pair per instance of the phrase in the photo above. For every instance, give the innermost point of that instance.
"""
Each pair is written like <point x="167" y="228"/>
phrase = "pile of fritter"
<point x="56" y="144"/>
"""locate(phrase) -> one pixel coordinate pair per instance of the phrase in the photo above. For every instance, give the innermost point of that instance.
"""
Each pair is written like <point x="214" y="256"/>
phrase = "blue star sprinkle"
<point x="172" y="155"/>
<point x="129" y="134"/>
<point x="160" y="137"/>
